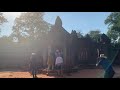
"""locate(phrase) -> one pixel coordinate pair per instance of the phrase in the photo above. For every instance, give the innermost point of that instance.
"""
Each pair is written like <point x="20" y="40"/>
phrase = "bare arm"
<point x="98" y="62"/>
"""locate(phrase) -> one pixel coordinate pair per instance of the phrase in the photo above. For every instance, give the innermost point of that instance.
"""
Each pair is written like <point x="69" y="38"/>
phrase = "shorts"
<point x="58" y="67"/>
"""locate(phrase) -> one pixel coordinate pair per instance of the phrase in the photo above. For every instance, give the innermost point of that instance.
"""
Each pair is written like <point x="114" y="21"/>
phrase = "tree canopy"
<point x="113" y="22"/>
<point x="2" y="19"/>
<point x="94" y="34"/>
<point x="30" y="25"/>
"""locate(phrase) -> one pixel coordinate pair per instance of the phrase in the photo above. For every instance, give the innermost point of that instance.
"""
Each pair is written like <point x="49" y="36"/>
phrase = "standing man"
<point x="33" y="64"/>
<point x="107" y="66"/>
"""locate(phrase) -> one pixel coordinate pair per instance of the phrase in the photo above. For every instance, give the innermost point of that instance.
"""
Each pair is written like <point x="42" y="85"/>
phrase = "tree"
<point x="113" y="35"/>
<point x="30" y="25"/>
<point x="94" y="34"/>
<point x="113" y="22"/>
<point x="79" y="34"/>
<point x="2" y="19"/>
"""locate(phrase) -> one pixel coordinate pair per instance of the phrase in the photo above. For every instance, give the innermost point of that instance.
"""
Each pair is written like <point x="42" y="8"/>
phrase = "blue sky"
<point x="79" y="21"/>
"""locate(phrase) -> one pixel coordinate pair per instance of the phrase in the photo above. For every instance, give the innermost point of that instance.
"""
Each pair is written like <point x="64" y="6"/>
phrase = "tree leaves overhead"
<point x="113" y="22"/>
<point x="113" y="19"/>
<point x="2" y="19"/>
<point x="113" y="35"/>
<point x="94" y="34"/>
<point x="30" y="24"/>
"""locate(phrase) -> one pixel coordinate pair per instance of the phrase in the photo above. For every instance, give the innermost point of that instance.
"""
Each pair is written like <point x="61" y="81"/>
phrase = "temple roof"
<point x="58" y="22"/>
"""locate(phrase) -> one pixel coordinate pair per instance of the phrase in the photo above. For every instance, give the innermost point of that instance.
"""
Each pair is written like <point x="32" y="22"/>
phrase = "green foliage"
<point x="94" y="35"/>
<point x="113" y="35"/>
<point x="2" y="19"/>
<point x="30" y="25"/>
<point x="113" y="22"/>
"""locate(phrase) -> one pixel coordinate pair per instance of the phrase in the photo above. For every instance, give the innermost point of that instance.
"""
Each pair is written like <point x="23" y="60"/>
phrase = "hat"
<point x="102" y="56"/>
<point x="33" y="53"/>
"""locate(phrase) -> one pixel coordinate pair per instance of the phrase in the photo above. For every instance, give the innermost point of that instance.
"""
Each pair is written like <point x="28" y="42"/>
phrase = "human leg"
<point x="61" y="70"/>
<point x="109" y="74"/>
<point x="52" y="67"/>
<point x="33" y="74"/>
<point x="48" y="69"/>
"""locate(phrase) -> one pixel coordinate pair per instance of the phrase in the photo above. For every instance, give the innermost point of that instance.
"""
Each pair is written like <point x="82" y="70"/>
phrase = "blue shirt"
<point x="106" y="65"/>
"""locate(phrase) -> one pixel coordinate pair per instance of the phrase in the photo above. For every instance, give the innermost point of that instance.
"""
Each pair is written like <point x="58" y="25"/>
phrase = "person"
<point x="50" y="62"/>
<point x="53" y="59"/>
<point x="59" y="65"/>
<point x="57" y="53"/>
<point x="33" y="65"/>
<point x="107" y="66"/>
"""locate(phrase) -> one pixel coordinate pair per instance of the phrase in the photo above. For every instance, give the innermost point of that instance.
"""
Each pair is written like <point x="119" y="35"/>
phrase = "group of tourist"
<point x="54" y="62"/>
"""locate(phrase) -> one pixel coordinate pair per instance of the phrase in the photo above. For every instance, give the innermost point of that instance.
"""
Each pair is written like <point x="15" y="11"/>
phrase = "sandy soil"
<point x="86" y="73"/>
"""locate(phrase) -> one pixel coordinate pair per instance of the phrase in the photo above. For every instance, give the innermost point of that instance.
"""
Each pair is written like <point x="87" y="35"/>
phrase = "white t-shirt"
<point x="59" y="60"/>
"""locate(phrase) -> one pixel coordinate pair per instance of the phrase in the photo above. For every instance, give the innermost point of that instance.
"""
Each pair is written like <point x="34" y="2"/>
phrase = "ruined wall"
<point x="18" y="55"/>
<point x="87" y="51"/>
<point x="13" y="56"/>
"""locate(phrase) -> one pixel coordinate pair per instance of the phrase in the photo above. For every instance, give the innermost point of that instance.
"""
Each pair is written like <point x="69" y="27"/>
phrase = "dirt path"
<point x="86" y="73"/>
<point x="81" y="74"/>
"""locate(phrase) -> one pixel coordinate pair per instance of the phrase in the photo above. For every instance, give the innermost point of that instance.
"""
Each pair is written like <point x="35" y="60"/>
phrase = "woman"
<point x="50" y="63"/>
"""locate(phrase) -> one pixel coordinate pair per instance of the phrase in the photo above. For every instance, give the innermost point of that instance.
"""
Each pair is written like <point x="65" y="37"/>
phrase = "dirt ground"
<point x="85" y="73"/>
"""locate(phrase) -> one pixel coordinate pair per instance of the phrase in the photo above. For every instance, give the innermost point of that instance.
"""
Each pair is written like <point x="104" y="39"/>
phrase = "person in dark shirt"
<point x="33" y="64"/>
<point x="107" y="66"/>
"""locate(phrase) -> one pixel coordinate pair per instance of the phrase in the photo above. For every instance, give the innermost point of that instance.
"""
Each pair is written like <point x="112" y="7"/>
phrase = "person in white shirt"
<point x="59" y="64"/>
<point x="59" y="60"/>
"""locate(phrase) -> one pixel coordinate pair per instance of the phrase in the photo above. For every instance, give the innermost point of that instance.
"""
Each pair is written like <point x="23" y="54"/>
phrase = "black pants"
<point x="34" y="72"/>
